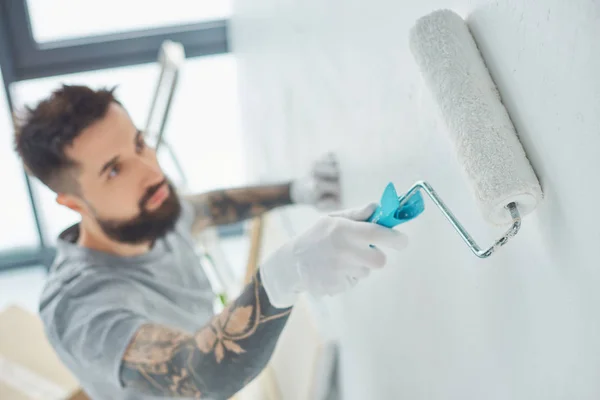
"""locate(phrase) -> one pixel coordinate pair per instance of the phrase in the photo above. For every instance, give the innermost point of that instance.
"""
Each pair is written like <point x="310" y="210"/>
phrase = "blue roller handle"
<point x="389" y="214"/>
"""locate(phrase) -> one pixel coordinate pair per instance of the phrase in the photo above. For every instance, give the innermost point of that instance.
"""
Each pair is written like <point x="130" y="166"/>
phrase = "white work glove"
<point x="321" y="187"/>
<point x="329" y="258"/>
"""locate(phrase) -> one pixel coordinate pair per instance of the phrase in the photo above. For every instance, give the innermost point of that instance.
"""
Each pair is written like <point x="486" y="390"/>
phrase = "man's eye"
<point x="114" y="171"/>
<point x="140" y="145"/>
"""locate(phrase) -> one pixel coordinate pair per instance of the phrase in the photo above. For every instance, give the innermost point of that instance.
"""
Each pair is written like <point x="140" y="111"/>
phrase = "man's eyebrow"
<point x="109" y="164"/>
<point x="138" y="135"/>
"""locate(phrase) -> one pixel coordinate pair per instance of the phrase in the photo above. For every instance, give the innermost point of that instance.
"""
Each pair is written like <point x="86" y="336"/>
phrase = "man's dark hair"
<point x="43" y="133"/>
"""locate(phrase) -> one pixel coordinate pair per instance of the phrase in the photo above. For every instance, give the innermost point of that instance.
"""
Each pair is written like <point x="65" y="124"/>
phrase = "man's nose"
<point x="153" y="174"/>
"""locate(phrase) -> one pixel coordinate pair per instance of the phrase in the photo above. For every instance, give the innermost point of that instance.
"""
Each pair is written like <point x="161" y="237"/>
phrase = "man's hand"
<point x="330" y="257"/>
<point x="321" y="187"/>
<point x="234" y="347"/>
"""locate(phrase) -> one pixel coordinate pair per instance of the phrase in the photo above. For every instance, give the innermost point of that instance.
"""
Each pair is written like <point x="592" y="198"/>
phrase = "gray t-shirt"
<point x="93" y="303"/>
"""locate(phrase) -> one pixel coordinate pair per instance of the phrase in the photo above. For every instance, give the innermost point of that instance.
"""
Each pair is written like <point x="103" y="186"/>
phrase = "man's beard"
<point x="146" y="226"/>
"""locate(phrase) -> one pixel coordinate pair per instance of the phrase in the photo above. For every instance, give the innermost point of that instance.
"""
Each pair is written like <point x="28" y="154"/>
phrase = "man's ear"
<point x="71" y="202"/>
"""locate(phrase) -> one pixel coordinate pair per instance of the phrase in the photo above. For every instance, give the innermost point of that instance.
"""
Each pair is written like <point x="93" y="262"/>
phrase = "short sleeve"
<point x="91" y="325"/>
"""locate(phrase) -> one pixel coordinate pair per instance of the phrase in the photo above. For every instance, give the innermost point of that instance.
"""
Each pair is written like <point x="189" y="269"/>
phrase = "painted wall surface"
<point x="439" y="323"/>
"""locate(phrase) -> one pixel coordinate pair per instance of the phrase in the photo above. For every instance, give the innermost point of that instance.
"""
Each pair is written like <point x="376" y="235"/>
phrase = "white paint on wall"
<point x="439" y="323"/>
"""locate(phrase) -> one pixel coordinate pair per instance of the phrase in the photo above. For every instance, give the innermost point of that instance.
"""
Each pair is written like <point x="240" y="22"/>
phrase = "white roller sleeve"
<point x="484" y="138"/>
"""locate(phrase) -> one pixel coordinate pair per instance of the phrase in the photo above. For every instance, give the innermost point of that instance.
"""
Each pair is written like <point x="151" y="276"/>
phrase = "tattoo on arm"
<point x="227" y="206"/>
<point x="215" y="362"/>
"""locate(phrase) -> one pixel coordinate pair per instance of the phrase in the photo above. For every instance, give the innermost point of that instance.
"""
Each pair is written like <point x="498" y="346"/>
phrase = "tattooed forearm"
<point x="215" y="362"/>
<point x="227" y="206"/>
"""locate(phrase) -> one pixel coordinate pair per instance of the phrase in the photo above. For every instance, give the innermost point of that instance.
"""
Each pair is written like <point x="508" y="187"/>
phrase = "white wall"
<point x="439" y="323"/>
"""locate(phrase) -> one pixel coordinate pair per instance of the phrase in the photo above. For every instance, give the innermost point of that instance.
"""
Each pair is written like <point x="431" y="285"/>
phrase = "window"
<point x="64" y="19"/>
<point x="17" y="226"/>
<point x="203" y="126"/>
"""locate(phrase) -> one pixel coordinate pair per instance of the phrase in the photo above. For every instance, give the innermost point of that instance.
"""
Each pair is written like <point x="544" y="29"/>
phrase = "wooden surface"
<point x="26" y="351"/>
<point x="256" y="233"/>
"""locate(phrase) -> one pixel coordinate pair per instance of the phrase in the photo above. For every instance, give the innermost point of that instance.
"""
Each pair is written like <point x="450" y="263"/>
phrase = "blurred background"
<point x="264" y="88"/>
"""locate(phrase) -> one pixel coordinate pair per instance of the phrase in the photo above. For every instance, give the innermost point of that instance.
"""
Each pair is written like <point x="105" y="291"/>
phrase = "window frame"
<point x="36" y="60"/>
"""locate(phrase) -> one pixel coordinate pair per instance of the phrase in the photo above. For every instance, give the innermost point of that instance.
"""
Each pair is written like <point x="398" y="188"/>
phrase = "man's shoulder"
<point x="64" y="274"/>
<point x="89" y="315"/>
<point x="76" y="286"/>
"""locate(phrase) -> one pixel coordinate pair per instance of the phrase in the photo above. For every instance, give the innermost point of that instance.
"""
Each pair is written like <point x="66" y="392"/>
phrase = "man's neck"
<point x="92" y="237"/>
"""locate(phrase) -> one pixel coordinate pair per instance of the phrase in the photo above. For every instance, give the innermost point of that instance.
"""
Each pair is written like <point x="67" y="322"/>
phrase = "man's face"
<point x="122" y="185"/>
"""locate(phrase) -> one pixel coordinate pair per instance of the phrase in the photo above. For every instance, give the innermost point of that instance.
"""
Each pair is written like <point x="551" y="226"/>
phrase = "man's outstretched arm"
<point x="226" y="206"/>
<point x="321" y="189"/>
<point x="215" y="362"/>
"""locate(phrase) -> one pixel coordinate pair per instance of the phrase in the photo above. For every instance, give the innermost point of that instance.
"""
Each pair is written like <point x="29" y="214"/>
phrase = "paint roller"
<point x="484" y="138"/>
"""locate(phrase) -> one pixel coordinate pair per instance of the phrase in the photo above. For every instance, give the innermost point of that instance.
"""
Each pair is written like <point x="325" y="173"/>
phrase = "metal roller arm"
<point x="512" y="207"/>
